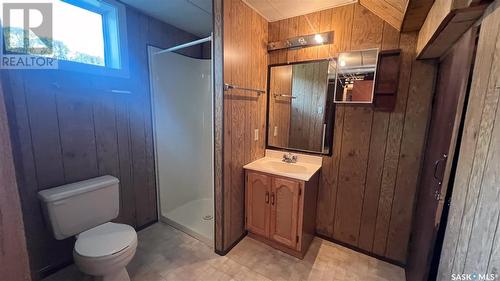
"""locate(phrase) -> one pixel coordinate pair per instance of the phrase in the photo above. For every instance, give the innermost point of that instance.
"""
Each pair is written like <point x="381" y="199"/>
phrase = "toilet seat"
<point x="105" y="240"/>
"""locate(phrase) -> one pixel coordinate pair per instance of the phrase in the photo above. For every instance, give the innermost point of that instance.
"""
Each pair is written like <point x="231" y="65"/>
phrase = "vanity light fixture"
<point x="302" y="41"/>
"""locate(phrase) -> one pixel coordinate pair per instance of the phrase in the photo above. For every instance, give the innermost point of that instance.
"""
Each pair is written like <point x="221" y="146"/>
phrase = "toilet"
<point x="84" y="209"/>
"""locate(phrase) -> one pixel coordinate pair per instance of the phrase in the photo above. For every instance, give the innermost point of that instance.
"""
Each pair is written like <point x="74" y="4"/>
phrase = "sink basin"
<point x="285" y="167"/>
<point x="303" y="169"/>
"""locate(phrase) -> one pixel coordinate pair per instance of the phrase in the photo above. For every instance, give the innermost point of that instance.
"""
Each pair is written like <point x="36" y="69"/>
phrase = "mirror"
<point x="356" y="76"/>
<point x="301" y="109"/>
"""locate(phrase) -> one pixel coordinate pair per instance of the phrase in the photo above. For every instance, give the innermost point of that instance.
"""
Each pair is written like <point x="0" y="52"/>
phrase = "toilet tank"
<point x="73" y="208"/>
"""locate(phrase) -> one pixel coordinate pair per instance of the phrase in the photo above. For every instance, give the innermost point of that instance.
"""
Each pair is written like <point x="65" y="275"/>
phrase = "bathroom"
<point x="250" y="140"/>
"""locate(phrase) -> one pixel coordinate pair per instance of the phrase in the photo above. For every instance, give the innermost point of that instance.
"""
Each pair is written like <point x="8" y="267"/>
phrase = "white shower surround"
<point x="182" y="103"/>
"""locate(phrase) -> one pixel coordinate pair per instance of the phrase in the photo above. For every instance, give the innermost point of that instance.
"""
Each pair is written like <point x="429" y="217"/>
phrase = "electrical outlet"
<point x="275" y="131"/>
<point x="256" y="135"/>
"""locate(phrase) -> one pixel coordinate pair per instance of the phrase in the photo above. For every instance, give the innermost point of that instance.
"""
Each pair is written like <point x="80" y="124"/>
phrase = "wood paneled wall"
<point x="245" y="65"/>
<point x="13" y="254"/>
<point x="80" y="130"/>
<point x="472" y="238"/>
<point x="368" y="186"/>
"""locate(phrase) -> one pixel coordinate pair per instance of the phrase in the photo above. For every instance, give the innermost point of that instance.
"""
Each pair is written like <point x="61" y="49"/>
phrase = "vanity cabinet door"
<point x="257" y="203"/>
<point x="285" y="195"/>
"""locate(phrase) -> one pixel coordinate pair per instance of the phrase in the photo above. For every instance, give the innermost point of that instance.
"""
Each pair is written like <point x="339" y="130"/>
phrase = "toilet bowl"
<point x="105" y="251"/>
<point x="84" y="209"/>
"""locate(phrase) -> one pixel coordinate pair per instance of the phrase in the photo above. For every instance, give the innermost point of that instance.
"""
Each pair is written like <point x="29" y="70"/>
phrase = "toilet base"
<point x="121" y="275"/>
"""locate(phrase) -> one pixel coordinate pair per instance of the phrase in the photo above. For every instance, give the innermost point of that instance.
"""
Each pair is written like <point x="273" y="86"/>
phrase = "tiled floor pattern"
<point x="165" y="254"/>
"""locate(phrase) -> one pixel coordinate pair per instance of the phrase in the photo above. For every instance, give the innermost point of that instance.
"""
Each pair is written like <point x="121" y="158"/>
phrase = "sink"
<point x="305" y="167"/>
<point x="285" y="167"/>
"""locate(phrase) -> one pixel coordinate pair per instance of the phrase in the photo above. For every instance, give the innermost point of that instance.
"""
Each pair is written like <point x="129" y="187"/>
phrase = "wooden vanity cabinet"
<point x="280" y="211"/>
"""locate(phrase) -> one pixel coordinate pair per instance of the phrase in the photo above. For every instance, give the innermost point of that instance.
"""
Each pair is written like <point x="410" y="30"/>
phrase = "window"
<point x="87" y="35"/>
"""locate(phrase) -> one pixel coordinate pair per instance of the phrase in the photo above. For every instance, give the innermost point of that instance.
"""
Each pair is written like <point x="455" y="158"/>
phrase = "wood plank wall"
<point x="80" y="130"/>
<point x="245" y="64"/>
<point x="472" y="238"/>
<point x="367" y="188"/>
<point x="14" y="264"/>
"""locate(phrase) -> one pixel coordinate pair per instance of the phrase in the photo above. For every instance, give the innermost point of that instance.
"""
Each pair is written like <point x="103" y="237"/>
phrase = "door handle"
<point x="272" y="198"/>
<point x="436" y="166"/>
<point x="267" y="197"/>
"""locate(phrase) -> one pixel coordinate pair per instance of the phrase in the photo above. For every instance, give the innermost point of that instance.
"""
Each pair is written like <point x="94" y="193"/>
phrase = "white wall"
<point x="183" y="126"/>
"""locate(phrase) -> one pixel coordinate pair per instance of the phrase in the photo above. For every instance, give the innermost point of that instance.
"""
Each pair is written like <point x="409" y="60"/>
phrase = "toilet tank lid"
<point x="76" y="188"/>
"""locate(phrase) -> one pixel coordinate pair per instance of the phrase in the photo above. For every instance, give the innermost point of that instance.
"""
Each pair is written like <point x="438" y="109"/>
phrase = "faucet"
<point x="289" y="158"/>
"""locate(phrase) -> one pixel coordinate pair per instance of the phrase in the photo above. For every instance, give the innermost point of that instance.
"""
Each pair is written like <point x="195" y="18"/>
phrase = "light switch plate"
<point x="256" y="135"/>
<point x="275" y="131"/>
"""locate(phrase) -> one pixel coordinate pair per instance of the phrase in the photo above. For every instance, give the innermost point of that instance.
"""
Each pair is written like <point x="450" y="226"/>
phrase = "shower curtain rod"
<point x="185" y="45"/>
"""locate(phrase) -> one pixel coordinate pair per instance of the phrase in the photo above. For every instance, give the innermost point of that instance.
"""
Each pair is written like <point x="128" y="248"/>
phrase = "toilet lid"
<point x="105" y="239"/>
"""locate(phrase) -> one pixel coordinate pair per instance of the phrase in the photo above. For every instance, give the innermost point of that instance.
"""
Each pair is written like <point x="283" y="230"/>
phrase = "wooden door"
<point x="257" y="203"/>
<point x="447" y="109"/>
<point x="285" y="211"/>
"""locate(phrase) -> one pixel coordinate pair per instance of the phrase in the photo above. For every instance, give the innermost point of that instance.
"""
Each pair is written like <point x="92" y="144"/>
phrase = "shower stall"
<point x="181" y="97"/>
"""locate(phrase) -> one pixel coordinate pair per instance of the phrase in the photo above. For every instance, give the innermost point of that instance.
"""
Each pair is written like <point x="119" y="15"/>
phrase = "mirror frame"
<point x="268" y="92"/>
<point x="374" y="79"/>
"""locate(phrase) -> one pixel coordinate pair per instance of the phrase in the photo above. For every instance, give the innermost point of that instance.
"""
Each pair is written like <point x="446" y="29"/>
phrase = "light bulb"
<point x="319" y="39"/>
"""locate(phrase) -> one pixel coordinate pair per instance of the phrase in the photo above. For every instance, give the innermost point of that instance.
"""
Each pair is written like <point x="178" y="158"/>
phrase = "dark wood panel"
<point x="106" y="135"/>
<point x="352" y="173"/>
<point x="380" y="124"/>
<point x="125" y="160"/>
<point x="413" y="142"/>
<point x="391" y="160"/>
<point x="13" y="253"/>
<point x="68" y="126"/>
<point x="355" y="148"/>
<point x="44" y="126"/>
<point x="78" y="143"/>
<point x="39" y="241"/>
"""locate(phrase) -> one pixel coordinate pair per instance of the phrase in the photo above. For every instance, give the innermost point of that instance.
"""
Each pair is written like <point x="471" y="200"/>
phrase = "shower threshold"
<point x="194" y="218"/>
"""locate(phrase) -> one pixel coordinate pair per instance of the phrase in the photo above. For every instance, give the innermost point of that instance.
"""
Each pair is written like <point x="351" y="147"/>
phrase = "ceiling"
<point x="274" y="10"/>
<point x="193" y="16"/>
